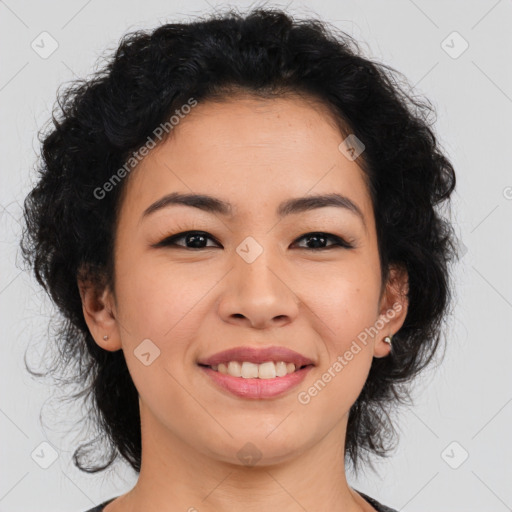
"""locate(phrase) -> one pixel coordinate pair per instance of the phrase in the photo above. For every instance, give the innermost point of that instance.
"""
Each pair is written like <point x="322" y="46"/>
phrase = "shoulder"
<point x="379" y="507"/>
<point x="99" y="508"/>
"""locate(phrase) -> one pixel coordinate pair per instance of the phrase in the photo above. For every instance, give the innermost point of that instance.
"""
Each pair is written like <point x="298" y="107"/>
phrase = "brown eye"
<point x="319" y="239"/>
<point x="193" y="240"/>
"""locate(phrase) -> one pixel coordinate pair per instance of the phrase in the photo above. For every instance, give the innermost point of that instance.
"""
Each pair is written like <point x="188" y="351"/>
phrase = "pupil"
<point x="318" y="237"/>
<point x="195" y="238"/>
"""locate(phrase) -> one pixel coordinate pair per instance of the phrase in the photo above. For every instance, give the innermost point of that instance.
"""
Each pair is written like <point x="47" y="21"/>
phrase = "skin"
<point x="193" y="303"/>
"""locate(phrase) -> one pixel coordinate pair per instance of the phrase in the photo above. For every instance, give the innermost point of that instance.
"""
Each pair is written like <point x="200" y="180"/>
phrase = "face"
<point x="307" y="279"/>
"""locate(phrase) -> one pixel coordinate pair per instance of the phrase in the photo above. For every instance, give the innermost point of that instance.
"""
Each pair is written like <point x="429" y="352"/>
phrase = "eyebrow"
<point x="215" y="205"/>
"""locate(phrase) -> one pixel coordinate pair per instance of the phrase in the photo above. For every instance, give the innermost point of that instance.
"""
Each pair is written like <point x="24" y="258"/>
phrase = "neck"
<point x="176" y="476"/>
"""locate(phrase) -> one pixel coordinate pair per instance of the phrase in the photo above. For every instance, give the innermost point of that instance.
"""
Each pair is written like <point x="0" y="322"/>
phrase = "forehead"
<point x="250" y="152"/>
<point x="279" y="124"/>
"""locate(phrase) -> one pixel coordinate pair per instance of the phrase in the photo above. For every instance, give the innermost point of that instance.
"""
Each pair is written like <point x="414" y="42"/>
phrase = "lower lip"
<point x="257" y="388"/>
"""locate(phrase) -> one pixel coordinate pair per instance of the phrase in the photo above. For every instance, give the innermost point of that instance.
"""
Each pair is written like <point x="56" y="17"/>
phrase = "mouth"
<point x="273" y="358"/>
<point x="256" y="373"/>
<point x="248" y="370"/>
<point x="246" y="385"/>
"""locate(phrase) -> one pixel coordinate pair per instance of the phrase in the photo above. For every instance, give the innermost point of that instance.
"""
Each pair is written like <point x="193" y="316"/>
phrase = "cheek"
<point x="347" y="305"/>
<point x="154" y="298"/>
<point x="350" y="309"/>
<point x="161" y="313"/>
<point x="157" y="311"/>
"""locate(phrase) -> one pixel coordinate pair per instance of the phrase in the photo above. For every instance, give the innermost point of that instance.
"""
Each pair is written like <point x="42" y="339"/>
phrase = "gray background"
<point x="466" y="401"/>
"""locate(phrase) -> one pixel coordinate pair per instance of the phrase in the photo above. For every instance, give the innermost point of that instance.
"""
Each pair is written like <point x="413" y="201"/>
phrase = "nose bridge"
<point x="257" y="265"/>
<point x="258" y="290"/>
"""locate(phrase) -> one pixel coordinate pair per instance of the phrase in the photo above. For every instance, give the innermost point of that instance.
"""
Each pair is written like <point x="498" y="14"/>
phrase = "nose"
<point x="259" y="294"/>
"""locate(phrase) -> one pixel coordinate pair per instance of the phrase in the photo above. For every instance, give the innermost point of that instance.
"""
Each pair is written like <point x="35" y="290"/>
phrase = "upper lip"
<point x="257" y="356"/>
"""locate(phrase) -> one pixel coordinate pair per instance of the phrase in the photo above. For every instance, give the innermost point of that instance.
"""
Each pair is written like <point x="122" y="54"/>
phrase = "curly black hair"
<point x="101" y="121"/>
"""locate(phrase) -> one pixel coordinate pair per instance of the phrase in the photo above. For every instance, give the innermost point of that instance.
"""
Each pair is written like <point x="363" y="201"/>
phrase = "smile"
<point x="248" y="370"/>
<point x="244" y="384"/>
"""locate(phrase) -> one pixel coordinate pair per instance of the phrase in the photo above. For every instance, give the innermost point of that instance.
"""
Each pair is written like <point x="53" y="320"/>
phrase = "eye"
<point x="321" y="238"/>
<point x="198" y="239"/>
<point x="195" y="238"/>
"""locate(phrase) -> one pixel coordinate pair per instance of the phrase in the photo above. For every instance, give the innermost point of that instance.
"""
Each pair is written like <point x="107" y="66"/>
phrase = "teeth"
<point x="246" y="370"/>
<point x="265" y="370"/>
<point x="235" y="369"/>
<point x="281" y="370"/>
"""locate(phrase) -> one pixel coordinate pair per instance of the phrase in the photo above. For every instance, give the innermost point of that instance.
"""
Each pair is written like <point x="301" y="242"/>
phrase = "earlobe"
<point x="99" y="314"/>
<point x="393" y="309"/>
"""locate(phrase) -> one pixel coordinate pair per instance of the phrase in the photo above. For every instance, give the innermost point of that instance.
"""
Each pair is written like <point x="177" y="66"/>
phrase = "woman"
<point x="238" y="219"/>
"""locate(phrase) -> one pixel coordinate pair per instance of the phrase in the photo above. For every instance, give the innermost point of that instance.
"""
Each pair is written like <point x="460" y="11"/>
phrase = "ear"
<point x="392" y="308"/>
<point x="98" y="306"/>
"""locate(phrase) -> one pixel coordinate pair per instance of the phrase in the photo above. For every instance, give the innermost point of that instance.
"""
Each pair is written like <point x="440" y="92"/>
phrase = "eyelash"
<point x="339" y="242"/>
